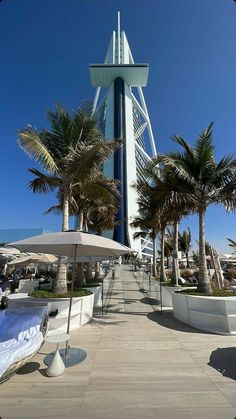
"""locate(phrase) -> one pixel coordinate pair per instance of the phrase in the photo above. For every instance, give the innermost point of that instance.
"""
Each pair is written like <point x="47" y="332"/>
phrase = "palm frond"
<point x="29" y="140"/>
<point x="139" y="234"/>
<point x="90" y="158"/>
<point x="232" y="243"/>
<point x="227" y="165"/>
<point x="181" y="141"/>
<point x="43" y="183"/>
<point x="55" y="209"/>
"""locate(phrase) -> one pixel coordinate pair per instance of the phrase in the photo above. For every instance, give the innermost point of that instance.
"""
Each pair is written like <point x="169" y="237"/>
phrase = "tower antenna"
<point x="118" y="36"/>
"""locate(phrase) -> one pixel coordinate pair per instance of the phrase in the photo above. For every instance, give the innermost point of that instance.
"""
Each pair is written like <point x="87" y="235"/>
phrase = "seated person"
<point x="6" y="284"/>
<point x="16" y="279"/>
<point x="29" y="275"/>
<point x="41" y="278"/>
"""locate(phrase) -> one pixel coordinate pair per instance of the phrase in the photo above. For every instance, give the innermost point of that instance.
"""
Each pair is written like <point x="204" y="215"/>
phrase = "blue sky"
<point x="46" y="47"/>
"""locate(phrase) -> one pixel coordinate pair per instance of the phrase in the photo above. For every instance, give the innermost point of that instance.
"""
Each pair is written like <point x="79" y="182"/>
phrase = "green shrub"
<point x="92" y="284"/>
<point x="94" y="280"/>
<point x="232" y="273"/>
<point x="189" y="285"/>
<point x="49" y="294"/>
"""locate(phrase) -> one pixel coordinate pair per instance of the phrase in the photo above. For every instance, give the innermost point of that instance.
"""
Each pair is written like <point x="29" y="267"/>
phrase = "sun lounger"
<point x="22" y="333"/>
<point x="26" y="285"/>
<point x="46" y="285"/>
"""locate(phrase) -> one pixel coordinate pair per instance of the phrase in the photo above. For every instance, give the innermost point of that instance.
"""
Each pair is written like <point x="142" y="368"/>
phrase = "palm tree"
<point x="97" y="201"/>
<point x="102" y="217"/>
<point x="169" y="200"/>
<point x="94" y="202"/>
<point x="149" y="228"/>
<point x="160" y="203"/>
<point x="148" y="219"/>
<point x="71" y="151"/>
<point x="168" y="245"/>
<point x="185" y="243"/>
<point x="206" y="182"/>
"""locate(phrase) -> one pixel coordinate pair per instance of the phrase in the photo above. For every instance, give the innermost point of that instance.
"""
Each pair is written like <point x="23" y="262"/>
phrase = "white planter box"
<point x="81" y="313"/>
<point x="97" y="291"/>
<point x="167" y="293"/>
<point x="213" y="314"/>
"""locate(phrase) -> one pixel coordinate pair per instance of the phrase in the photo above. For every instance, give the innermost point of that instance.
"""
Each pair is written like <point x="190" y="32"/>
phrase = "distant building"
<point x="122" y="113"/>
<point x="13" y="234"/>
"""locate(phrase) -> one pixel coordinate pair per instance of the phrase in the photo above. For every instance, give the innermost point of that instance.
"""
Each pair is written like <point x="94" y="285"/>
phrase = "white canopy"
<point x="68" y="242"/>
<point x="34" y="258"/>
<point x="9" y="250"/>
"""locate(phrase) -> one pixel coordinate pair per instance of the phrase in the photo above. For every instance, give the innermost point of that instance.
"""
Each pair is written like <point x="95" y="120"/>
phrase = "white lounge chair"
<point x="26" y="285"/>
<point x="22" y="333"/>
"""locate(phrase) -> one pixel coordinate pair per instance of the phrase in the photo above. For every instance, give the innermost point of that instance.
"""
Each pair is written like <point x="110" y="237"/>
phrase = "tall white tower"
<point x="122" y="113"/>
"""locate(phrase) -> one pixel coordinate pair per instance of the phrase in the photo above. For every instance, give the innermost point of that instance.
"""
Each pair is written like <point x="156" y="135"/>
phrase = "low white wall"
<point x="81" y="313"/>
<point x="97" y="291"/>
<point x="167" y="295"/>
<point x="213" y="314"/>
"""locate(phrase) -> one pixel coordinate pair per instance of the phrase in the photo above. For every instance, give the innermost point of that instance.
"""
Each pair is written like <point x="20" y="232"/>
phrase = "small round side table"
<point x="55" y="364"/>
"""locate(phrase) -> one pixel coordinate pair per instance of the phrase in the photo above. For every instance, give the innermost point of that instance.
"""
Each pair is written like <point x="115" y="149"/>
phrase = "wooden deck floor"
<point x="139" y="365"/>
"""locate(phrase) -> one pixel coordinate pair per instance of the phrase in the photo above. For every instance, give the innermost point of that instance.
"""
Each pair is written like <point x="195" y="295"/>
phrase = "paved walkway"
<point x="139" y="365"/>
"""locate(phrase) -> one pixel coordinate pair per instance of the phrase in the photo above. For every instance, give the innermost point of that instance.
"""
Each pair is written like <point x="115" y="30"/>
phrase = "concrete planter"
<point x="81" y="313"/>
<point x="213" y="314"/>
<point x="167" y="293"/>
<point x="97" y="291"/>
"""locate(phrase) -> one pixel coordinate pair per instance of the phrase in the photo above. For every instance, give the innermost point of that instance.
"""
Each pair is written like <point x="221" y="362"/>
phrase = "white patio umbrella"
<point x="72" y="244"/>
<point x="90" y="259"/>
<point x="6" y="255"/>
<point x="34" y="258"/>
<point x="9" y="250"/>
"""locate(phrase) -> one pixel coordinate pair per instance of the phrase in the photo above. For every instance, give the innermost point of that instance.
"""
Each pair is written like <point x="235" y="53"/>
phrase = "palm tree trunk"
<point x="97" y="267"/>
<point x="80" y="266"/>
<point x="187" y="257"/>
<point x="175" y="266"/>
<point x="65" y="219"/>
<point x="168" y="262"/>
<point x="97" y="270"/>
<point x="163" y="272"/>
<point x="88" y="274"/>
<point x="203" y="279"/>
<point x="81" y="221"/>
<point x="154" y="257"/>
<point x="60" y="282"/>
<point x="81" y="276"/>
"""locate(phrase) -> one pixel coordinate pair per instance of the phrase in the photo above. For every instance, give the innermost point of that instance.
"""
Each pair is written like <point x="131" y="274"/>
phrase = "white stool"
<point x="56" y="365"/>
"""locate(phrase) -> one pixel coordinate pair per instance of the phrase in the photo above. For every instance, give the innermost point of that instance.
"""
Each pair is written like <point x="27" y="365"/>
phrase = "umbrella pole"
<point x="71" y="297"/>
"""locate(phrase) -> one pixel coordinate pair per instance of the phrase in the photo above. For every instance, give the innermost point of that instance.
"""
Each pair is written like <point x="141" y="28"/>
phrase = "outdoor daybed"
<point x="22" y="333"/>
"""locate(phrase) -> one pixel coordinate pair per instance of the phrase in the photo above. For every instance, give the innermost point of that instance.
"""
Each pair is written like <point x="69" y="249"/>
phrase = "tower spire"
<point x="118" y="37"/>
